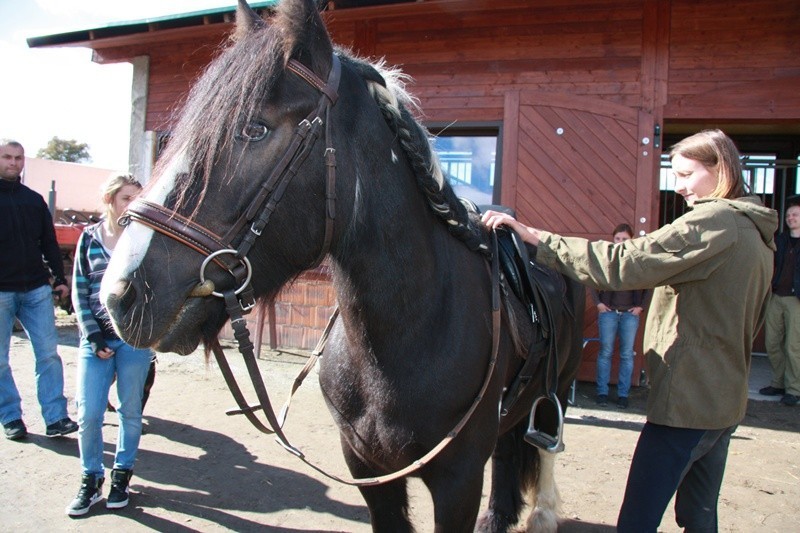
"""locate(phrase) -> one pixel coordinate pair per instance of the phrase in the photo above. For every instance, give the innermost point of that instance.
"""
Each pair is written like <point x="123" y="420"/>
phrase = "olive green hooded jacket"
<point x="711" y="270"/>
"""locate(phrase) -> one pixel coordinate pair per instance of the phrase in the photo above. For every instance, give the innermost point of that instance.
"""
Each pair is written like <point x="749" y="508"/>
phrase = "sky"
<point x="60" y="92"/>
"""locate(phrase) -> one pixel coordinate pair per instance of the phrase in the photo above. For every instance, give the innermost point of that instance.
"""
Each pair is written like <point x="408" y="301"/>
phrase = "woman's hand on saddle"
<point x="495" y="219"/>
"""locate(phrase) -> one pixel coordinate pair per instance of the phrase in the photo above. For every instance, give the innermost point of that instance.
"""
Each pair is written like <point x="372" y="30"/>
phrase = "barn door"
<point x="579" y="165"/>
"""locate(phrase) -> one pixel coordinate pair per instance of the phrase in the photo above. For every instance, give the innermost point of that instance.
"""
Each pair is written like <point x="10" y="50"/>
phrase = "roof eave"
<point x="116" y="30"/>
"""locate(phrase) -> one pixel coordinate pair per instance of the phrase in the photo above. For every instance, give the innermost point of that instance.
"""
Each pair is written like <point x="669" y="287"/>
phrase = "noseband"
<point x="220" y="249"/>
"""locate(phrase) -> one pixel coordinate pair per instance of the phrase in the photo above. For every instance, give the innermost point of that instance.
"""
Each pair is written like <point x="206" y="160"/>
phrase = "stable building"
<point x="560" y="109"/>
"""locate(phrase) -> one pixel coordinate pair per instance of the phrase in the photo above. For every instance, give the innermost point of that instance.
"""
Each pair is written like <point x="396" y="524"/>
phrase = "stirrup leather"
<point x="547" y="439"/>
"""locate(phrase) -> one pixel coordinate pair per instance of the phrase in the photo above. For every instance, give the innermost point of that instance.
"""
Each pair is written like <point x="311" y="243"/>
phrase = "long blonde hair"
<point x="112" y="185"/>
<point x="715" y="151"/>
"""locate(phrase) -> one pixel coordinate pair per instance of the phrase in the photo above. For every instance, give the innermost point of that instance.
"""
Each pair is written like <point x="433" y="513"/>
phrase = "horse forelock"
<point x="227" y="95"/>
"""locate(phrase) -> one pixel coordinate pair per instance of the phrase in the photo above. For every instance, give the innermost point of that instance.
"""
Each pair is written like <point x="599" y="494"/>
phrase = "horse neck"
<point x="397" y="260"/>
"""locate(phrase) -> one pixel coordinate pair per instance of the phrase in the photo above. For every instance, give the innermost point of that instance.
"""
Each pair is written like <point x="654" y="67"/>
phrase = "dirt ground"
<point x="200" y="470"/>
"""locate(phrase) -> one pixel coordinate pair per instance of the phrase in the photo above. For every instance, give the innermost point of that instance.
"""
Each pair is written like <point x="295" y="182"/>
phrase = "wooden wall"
<point x="680" y="59"/>
<point x="734" y="61"/>
<point x="465" y="56"/>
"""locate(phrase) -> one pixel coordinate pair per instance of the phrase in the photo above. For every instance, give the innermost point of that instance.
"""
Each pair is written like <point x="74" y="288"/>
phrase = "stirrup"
<point x="547" y="439"/>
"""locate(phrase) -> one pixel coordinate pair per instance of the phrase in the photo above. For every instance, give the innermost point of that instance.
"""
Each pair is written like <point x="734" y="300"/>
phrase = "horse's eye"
<point x="253" y="131"/>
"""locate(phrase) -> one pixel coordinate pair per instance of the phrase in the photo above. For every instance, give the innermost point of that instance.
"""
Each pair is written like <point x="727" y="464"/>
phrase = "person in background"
<point x="26" y="236"/>
<point x="782" y="328"/>
<point x="617" y="315"/>
<point x="711" y="269"/>
<point x="102" y="356"/>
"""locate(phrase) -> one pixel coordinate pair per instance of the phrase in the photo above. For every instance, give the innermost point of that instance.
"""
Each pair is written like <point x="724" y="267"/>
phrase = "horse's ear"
<point x="247" y="20"/>
<point x="305" y="37"/>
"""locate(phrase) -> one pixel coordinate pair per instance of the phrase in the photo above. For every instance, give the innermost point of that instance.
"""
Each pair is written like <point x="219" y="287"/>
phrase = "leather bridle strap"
<point x="192" y="235"/>
<point x="233" y="259"/>
<point x="305" y="136"/>
<point x="276" y="423"/>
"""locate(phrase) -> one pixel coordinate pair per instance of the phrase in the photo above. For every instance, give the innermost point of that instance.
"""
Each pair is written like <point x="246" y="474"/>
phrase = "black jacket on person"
<point x="782" y="244"/>
<point x="27" y="236"/>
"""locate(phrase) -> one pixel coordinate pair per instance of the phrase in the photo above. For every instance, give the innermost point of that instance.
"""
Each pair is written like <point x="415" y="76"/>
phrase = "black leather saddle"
<point x="542" y="290"/>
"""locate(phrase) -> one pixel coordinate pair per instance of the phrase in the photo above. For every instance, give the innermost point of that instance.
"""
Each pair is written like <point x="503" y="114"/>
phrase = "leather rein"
<point x="241" y="300"/>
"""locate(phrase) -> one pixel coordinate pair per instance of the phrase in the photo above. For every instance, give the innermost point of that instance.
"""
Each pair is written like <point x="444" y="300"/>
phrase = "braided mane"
<point x="387" y="87"/>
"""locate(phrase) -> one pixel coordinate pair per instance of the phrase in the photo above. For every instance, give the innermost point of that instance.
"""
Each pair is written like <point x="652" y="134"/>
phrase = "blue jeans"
<point x="667" y="460"/>
<point x="94" y="381"/>
<point x="35" y="311"/>
<point x="610" y="324"/>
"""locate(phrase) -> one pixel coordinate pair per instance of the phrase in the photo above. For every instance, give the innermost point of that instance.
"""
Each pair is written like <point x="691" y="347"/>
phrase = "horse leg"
<point x="387" y="503"/>
<point x="388" y="506"/>
<point x="544" y="497"/>
<point x="455" y="486"/>
<point x="513" y="468"/>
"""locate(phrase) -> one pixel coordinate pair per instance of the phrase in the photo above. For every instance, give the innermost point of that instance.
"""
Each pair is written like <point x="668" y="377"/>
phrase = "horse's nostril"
<point x="121" y="297"/>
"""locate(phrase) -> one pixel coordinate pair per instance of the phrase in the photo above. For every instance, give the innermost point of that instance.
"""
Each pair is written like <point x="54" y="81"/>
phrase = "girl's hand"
<point x="104" y="353"/>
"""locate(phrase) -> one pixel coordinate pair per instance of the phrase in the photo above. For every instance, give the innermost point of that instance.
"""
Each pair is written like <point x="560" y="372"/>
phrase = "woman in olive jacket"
<point x="711" y="269"/>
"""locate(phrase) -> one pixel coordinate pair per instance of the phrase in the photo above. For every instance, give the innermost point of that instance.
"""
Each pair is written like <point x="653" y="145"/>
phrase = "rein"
<point x="240" y="300"/>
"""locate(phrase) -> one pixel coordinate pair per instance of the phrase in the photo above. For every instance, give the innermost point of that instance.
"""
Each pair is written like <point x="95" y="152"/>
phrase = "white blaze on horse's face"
<point x="135" y="240"/>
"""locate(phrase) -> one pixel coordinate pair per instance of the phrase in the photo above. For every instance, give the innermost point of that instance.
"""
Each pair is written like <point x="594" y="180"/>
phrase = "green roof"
<point x="122" y="28"/>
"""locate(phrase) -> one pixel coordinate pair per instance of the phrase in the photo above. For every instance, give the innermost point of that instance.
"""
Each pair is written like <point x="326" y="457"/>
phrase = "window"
<point x="468" y="158"/>
<point x="766" y="176"/>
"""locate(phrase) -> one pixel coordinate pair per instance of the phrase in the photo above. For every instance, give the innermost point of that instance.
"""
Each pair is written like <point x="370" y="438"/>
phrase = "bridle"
<point x="220" y="249"/>
<point x="240" y="300"/>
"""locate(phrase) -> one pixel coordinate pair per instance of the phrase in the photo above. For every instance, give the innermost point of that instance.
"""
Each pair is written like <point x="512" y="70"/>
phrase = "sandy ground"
<point x="200" y="470"/>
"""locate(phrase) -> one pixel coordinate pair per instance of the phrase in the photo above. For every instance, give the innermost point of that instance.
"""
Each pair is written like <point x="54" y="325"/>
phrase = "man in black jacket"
<point x="27" y="236"/>
<point x="782" y="323"/>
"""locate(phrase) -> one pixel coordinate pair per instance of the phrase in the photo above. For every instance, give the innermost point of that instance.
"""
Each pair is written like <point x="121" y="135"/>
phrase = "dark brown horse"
<point x="288" y="151"/>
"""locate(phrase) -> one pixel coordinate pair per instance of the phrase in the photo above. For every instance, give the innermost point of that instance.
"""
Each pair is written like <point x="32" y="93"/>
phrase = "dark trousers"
<point x="667" y="460"/>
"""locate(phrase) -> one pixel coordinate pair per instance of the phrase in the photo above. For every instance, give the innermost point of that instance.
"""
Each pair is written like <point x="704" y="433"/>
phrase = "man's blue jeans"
<point x="610" y="324"/>
<point x="35" y="311"/>
<point x="94" y="381"/>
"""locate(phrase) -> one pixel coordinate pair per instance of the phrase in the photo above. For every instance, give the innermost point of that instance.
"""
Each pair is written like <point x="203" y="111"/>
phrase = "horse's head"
<point x="244" y="175"/>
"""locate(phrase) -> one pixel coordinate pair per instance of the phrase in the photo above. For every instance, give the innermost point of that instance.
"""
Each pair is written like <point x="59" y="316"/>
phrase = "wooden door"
<point x="579" y="165"/>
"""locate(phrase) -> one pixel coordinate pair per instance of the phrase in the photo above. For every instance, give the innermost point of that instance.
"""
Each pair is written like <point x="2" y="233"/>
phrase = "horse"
<point x="289" y="151"/>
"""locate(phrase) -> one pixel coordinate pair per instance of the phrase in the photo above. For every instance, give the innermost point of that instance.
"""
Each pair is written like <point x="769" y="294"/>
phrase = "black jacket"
<point x="27" y="236"/>
<point x="782" y="243"/>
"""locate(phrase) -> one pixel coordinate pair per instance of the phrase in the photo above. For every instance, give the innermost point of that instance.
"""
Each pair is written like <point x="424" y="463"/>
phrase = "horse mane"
<point x="388" y="88"/>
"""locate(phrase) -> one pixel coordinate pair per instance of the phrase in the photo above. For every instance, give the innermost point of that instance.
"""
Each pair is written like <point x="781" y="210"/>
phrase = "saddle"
<point x="542" y="291"/>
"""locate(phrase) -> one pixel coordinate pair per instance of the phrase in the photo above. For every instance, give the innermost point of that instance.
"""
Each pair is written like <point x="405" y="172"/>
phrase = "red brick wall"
<point x="302" y="310"/>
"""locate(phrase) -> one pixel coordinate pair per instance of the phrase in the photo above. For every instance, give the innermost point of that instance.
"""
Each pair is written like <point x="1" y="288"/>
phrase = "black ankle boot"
<point x="118" y="495"/>
<point x="89" y="494"/>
